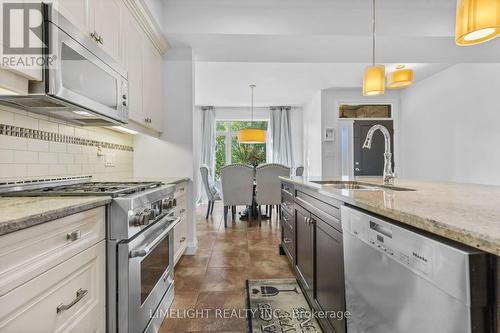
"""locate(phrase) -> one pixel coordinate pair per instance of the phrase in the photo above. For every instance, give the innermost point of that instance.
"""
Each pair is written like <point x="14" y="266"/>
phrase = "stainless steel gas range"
<point x="140" y="264"/>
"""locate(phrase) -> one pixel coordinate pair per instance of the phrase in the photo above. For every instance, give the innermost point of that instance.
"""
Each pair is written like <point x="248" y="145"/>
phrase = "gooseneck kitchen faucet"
<point x="388" y="172"/>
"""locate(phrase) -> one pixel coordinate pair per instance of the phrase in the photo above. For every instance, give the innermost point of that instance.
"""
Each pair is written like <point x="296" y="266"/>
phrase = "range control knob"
<point x="167" y="203"/>
<point x="141" y="218"/>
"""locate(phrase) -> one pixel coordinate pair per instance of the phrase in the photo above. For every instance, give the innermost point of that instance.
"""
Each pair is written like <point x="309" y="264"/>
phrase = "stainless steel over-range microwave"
<point x="80" y="82"/>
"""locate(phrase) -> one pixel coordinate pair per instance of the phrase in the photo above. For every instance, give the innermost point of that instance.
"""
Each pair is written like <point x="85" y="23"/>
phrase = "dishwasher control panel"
<point x="390" y="240"/>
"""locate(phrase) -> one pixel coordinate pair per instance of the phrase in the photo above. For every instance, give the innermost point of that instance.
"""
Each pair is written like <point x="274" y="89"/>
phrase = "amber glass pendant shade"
<point x="252" y="136"/>
<point x="374" y="80"/>
<point x="400" y="78"/>
<point x="477" y="21"/>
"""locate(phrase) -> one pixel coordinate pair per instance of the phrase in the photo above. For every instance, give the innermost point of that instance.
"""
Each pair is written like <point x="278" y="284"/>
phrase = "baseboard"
<point x="191" y="248"/>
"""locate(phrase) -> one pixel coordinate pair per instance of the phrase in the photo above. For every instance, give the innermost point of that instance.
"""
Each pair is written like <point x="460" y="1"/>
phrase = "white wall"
<point x="330" y="101"/>
<point x="450" y="126"/>
<point x="312" y="136"/>
<point x="175" y="153"/>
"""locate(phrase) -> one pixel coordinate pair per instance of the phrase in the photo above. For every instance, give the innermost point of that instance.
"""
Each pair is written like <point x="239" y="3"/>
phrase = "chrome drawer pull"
<point x="73" y="236"/>
<point x="183" y="239"/>
<point x="81" y="293"/>
<point x="287" y="240"/>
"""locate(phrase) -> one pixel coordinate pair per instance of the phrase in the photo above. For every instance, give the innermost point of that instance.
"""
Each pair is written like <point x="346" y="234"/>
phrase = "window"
<point x="228" y="150"/>
<point x="365" y="111"/>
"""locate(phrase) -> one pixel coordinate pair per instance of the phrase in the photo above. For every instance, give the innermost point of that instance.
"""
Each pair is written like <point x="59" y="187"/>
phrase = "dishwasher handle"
<point x="386" y="231"/>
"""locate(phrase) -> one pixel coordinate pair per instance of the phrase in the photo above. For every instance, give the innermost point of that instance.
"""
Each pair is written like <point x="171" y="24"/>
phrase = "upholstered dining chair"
<point x="237" y="187"/>
<point x="269" y="185"/>
<point x="299" y="171"/>
<point x="210" y="188"/>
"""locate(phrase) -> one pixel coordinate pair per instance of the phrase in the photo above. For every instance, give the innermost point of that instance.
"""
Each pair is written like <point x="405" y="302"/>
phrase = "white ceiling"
<point x="292" y="48"/>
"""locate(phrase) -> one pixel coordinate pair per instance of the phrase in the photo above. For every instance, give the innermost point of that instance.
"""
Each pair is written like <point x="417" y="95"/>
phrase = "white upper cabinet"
<point x="132" y="56"/>
<point x="77" y="12"/>
<point x="152" y="100"/>
<point x="107" y="26"/>
<point x="99" y="19"/>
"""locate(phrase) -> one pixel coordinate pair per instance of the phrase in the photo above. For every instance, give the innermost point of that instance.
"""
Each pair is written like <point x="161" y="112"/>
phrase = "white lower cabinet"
<point x="181" y="229"/>
<point x="53" y="276"/>
<point x="67" y="298"/>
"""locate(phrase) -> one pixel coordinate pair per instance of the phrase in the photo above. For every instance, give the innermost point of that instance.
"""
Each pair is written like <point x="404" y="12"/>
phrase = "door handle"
<point x="80" y="293"/>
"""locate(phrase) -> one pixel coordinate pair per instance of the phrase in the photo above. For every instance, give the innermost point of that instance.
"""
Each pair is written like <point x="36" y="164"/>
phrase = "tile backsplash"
<point x="33" y="146"/>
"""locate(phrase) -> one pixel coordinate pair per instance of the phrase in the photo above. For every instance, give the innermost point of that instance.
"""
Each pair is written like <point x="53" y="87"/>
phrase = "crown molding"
<point x="141" y="13"/>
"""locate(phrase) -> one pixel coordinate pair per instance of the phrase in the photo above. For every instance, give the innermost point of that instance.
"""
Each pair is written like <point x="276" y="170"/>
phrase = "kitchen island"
<point x="466" y="213"/>
<point x="315" y="215"/>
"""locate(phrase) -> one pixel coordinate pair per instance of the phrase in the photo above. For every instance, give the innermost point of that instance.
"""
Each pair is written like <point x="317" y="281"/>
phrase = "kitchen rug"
<point x="278" y="306"/>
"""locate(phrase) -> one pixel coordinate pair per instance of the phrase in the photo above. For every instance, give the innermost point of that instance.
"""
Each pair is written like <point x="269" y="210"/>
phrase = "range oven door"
<point x="145" y="274"/>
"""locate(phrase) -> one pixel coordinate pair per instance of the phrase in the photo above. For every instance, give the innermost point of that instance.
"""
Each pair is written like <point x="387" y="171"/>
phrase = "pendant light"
<point x="374" y="77"/>
<point x="477" y="21"/>
<point x="400" y="78"/>
<point x="252" y="135"/>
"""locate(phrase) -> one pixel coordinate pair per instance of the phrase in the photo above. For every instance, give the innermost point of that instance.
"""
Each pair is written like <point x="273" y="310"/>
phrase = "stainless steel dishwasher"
<point x="400" y="281"/>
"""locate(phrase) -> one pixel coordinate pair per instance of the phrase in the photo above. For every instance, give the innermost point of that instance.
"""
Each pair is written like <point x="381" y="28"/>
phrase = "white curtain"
<point x="281" y="135"/>
<point x="207" y="144"/>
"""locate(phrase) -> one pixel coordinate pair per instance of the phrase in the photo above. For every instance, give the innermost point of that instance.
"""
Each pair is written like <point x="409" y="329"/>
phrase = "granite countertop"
<point x="466" y="213"/>
<point x="23" y="212"/>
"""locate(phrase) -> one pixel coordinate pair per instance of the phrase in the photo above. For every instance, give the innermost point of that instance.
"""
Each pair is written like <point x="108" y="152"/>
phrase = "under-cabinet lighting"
<point x="124" y="130"/>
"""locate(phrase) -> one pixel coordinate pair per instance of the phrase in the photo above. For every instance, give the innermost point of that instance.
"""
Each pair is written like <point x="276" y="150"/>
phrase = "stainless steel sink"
<point x="353" y="185"/>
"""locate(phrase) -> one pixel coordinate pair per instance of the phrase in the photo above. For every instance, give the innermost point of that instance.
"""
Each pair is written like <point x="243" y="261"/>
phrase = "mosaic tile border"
<point x="29" y="133"/>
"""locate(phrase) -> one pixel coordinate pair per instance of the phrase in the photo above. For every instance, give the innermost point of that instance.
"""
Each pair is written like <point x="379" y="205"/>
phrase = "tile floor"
<point x="214" y="278"/>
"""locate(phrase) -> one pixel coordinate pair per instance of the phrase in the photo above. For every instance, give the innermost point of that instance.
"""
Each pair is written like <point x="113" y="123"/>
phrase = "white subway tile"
<point x="66" y="158"/>
<point x="25" y="157"/>
<point x="57" y="170"/>
<point x="81" y="159"/>
<point x="25" y="121"/>
<point x="12" y="170"/>
<point x="57" y="147"/>
<point x="74" y="149"/>
<point x="47" y="158"/>
<point x="88" y="169"/>
<point x="48" y="126"/>
<point x="66" y="130"/>
<point x="6" y="118"/>
<point x="37" y="170"/>
<point x="38" y="145"/>
<point x="74" y="169"/>
<point x="81" y="133"/>
<point x="12" y="142"/>
<point x="6" y="156"/>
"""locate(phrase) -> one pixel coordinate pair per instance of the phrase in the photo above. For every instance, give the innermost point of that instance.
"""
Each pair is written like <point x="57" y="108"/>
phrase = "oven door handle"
<point x="144" y="251"/>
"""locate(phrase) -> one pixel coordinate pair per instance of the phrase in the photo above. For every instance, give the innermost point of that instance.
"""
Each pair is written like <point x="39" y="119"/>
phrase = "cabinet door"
<point x="329" y="286"/>
<point x="304" y="262"/>
<point x="132" y="56"/>
<point x="77" y="12"/>
<point x="107" y="24"/>
<point x="67" y="298"/>
<point x="152" y="86"/>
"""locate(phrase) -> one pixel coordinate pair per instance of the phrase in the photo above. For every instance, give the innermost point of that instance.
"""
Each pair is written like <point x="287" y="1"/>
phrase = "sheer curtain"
<point x="207" y="144"/>
<point x="281" y="135"/>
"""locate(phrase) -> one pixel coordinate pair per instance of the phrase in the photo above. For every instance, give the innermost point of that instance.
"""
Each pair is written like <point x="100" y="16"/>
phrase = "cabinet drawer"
<point x="33" y="307"/>
<point x="288" y="241"/>
<point x="288" y="219"/>
<point x="180" y="239"/>
<point x="28" y="253"/>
